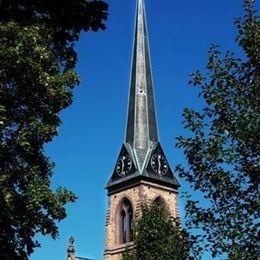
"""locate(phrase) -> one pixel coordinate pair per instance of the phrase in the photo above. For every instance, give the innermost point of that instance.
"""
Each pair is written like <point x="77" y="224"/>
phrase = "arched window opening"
<point x="126" y="222"/>
<point x="131" y="225"/>
<point x="123" y="226"/>
<point x="159" y="202"/>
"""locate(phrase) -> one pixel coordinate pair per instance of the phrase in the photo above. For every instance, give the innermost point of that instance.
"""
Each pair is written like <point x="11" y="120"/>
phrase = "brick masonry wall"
<point x="143" y="192"/>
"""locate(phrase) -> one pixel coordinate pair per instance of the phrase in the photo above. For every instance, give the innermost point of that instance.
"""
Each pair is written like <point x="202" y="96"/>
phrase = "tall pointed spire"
<point x="141" y="156"/>
<point x="142" y="173"/>
<point x="141" y="130"/>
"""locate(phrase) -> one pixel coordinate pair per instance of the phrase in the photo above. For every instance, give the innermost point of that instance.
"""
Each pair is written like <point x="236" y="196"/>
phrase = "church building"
<point x="142" y="172"/>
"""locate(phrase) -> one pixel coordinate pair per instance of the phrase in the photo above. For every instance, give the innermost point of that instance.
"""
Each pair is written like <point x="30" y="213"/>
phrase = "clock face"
<point x="159" y="164"/>
<point x="124" y="165"/>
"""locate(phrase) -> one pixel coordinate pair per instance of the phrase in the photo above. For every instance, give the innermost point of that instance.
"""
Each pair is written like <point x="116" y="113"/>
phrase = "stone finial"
<point x="71" y="249"/>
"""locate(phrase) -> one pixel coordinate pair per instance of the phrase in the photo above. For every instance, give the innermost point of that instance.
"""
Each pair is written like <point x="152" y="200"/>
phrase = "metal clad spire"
<point x="141" y="156"/>
<point x="141" y="129"/>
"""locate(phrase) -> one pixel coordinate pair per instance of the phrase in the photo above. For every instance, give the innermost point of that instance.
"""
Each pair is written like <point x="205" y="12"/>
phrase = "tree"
<point x="157" y="236"/>
<point x="223" y="148"/>
<point x="37" y="61"/>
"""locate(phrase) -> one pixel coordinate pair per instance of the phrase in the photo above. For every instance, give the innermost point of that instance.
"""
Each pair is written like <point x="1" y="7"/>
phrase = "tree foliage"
<point x="158" y="236"/>
<point x="37" y="60"/>
<point x="223" y="149"/>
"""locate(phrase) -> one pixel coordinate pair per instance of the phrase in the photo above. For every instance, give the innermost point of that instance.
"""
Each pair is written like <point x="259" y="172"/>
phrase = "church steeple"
<point x="142" y="173"/>
<point x="141" y="156"/>
<point x="141" y="132"/>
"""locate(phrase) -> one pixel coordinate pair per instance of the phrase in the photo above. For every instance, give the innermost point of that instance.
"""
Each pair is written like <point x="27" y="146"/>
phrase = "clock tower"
<point x="142" y="172"/>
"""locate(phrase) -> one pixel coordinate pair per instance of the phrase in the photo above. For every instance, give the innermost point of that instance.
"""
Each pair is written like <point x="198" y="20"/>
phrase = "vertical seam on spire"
<point x="152" y="82"/>
<point x="145" y="39"/>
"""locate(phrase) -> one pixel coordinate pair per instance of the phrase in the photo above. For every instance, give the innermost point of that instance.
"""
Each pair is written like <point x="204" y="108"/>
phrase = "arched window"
<point x="126" y="222"/>
<point x="159" y="202"/>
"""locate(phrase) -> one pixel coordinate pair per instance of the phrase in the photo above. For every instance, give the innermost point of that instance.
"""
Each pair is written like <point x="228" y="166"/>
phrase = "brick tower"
<point x="142" y="173"/>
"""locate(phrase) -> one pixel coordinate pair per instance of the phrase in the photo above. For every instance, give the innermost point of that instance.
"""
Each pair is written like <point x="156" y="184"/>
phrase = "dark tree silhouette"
<point x="37" y="61"/>
<point x="223" y="150"/>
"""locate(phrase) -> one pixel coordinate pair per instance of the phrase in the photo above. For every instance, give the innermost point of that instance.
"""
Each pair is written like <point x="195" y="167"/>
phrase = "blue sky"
<point x="93" y="128"/>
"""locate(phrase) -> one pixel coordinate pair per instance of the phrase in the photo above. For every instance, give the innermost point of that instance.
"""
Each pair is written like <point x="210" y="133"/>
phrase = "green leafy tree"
<point x="158" y="237"/>
<point x="223" y="149"/>
<point x="37" y="61"/>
